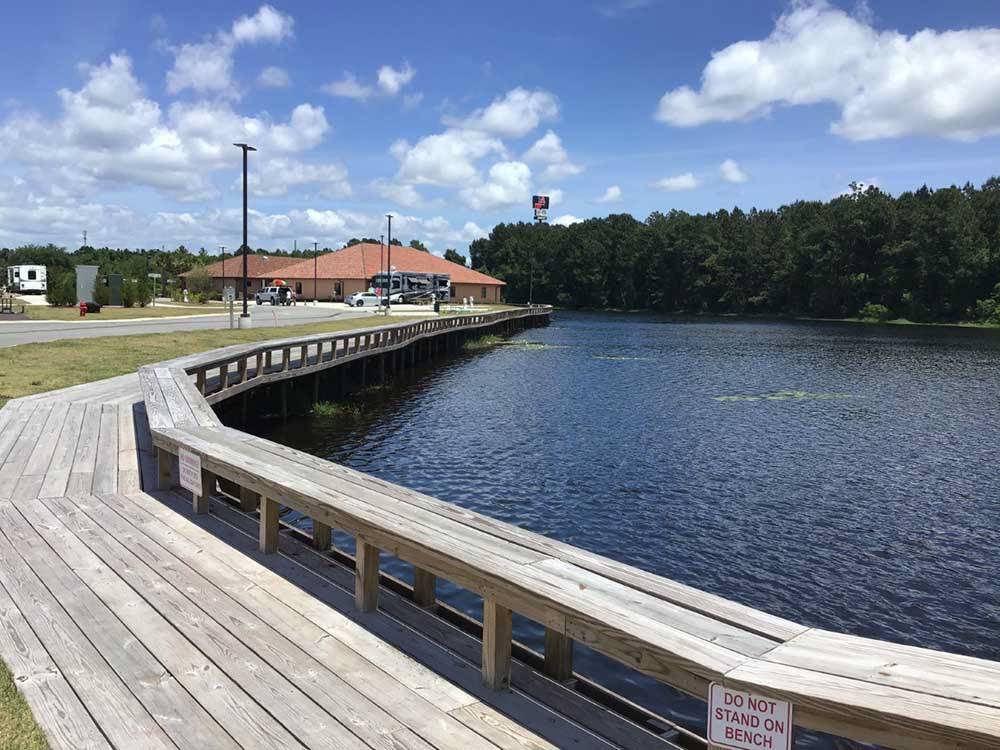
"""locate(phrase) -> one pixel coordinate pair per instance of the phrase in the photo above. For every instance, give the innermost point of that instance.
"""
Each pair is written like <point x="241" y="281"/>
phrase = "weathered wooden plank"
<point x="106" y="466"/>
<point x="309" y="573"/>
<point x="40" y="458"/>
<point x="497" y="635"/>
<point x="61" y="463"/>
<point x="24" y="446"/>
<point x="123" y="719"/>
<point x="198" y="705"/>
<point x="57" y="709"/>
<point x="868" y="712"/>
<point x="352" y="690"/>
<point x="908" y="667"/>
<point x="177" y="405"/>
<point x="500" y="730"/>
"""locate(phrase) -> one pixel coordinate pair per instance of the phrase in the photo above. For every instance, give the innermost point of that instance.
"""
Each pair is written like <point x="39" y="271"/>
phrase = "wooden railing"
<point x="871" y="691"/>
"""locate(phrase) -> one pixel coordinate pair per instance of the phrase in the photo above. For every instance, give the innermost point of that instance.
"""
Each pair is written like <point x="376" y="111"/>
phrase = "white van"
<point x="27" y="279"/>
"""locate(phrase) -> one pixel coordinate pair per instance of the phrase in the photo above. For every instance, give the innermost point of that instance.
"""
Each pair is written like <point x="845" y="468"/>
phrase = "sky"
<point x="117" y="117"/>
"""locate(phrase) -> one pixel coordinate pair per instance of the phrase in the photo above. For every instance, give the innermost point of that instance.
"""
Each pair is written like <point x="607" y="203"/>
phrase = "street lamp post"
<point x="246" y="149"/>
<point x="222" y="249"/>
<point x="388" y="265"/>
<point x="315" y="275"/>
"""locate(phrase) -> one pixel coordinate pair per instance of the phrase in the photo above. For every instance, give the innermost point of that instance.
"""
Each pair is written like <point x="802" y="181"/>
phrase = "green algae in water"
<point x="785" y="396"/>
<point x="622" y="359"/>
<point x="334" y="409"/>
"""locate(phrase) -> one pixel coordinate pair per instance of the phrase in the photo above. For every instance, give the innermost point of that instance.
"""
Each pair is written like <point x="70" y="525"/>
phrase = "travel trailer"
<point x="26" y="279"/>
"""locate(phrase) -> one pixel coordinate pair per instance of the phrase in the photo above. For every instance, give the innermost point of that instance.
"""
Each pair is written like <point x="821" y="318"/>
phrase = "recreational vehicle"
<point x="414" y="286"/>
<point x="26" y="279"/>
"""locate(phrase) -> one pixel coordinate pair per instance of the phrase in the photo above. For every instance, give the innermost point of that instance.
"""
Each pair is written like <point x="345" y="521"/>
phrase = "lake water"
<point x="842" y="476"/>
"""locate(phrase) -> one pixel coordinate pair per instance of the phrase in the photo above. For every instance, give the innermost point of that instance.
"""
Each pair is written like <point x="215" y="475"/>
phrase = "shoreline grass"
<point x="34" y="368"/>
<point x="18" y="729"/>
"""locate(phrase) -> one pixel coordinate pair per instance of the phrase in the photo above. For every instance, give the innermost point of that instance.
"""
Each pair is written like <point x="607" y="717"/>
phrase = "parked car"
<point x="276" y="295"/>
<point x="369" y="299"/>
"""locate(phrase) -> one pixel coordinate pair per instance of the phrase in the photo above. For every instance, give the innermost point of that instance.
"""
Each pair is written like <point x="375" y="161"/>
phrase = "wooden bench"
<point x="871" y="691"/>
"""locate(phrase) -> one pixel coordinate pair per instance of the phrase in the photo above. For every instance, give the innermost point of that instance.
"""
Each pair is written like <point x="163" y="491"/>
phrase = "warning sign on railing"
<point x="189" y="464"/>
<point x="744" y="721"/>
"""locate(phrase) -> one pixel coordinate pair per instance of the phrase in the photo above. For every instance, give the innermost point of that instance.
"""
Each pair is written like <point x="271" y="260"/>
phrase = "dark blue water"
<point x="853" y="485"/>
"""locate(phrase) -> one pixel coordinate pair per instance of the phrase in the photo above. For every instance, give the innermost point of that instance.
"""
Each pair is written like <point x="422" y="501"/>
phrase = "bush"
<point x="135" y="293"/>
<point x="875" y="312"/>
<point x="102" y="294"/>
<point x="61" y="289"/>
<point x="988" y="311"/>
<point x="199" y="280"/>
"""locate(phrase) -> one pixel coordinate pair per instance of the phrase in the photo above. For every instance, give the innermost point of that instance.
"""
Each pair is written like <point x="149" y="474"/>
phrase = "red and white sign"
<point x="744" y="721"/>
<point x="190" y="470"/>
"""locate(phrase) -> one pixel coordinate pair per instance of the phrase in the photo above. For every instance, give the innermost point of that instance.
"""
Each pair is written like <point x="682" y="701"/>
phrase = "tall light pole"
<point x="245" y="148"/>
<point x="315" y="275"/>
<point x="222" y="249"/>
<point x="388" y="265"/>
<point x="381" y="264"/>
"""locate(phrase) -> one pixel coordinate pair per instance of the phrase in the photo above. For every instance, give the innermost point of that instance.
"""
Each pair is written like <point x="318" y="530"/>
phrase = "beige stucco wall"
<point x="326" y="288"/>
<point x="493" y="293"/>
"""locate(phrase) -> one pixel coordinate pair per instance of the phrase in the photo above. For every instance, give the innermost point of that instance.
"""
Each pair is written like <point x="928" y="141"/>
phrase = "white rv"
<point x="26" y="279"/>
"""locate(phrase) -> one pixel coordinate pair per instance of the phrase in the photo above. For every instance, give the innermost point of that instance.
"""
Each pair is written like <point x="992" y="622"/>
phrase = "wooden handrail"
<point x="867" y="690"/>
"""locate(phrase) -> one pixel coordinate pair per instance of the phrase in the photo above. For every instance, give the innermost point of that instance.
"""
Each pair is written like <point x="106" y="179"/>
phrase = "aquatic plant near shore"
<point x="334" y="409"/>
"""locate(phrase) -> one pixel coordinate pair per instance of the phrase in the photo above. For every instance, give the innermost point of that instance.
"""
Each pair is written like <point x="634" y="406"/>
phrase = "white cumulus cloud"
<point x="677" y="183"/>
<point x="515" y="114"/>
<point x="508" y="184"/>
<point x="349" y="87"/>
<point x="548" y="150"/>
<point x="566" y="219"/>
<point x="612" y="195"/>
<point x="445" y="159"/>
<point x="207" y="66"/>
<point x="887" y="84"/>
<point x="392" y="81"/>
<point x="732" y="172"/>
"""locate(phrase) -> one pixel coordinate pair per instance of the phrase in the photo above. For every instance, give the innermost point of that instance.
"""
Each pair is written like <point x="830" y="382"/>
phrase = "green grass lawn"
<point x="34" y="368"/>
<point x="18" y="730"/>
<point x="45" y="312"/>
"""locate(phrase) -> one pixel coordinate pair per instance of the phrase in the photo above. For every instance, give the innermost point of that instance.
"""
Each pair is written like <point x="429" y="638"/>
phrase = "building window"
<point x="298" y="288"/>
<point x="32" y="275"/>
<point x="483" y="293"/>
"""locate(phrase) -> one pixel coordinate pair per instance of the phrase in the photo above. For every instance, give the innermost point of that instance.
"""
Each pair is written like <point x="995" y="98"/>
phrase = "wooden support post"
<point x="558" y="655"/>
<point x="366" y="577"/>
<point x="200" y="381"/>
<point x="241" y="370"/>
<point x="224" y="377"/>
<point x="267" y="359"/>
<point x="249" y="500"/>
<point x="244" y="398"/>
<point x="284" y="398"/>
<point x="258" y="369"/>
<point x="315" y="388"/>
<point x="268" y="525"/>
<point x="286" y="355"/>
<point x="164" y="469"/>
<point x="364" y="372"/>
<point x="424" y="588"/>
<point x="199" y="503"/>
<point x="321" y="536"/>
<point x="497" y="625"/>
<point x="381" y="369"/>
<point x="304" y="356"/>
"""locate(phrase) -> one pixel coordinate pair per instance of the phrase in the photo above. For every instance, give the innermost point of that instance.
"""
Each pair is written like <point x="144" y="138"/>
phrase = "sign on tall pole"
<point x="541" y="205"/>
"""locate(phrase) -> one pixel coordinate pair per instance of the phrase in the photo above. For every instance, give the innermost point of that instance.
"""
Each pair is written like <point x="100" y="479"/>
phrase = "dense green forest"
<point x="928" y="255"/>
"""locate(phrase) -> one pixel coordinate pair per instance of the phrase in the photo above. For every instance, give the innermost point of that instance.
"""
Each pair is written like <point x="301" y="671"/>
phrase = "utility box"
<point x="86" y="278"/>
<point x="115" y="289"/>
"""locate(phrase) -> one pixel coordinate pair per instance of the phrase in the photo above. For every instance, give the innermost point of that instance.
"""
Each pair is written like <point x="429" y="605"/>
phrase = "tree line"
<point x="926" y="255"/>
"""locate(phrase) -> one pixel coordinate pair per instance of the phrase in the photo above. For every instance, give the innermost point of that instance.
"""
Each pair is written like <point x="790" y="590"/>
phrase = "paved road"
<point x="30" y="331"/>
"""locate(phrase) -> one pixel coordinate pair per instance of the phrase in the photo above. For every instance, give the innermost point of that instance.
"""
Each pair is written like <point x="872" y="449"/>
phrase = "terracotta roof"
<point x="364" y="260"/>
<point x="257" y="266"/>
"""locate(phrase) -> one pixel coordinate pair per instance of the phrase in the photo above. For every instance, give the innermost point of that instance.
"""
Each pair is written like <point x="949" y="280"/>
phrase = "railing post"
<point x="224" y="376"/>
<point x="321" y="536"/>
<point x="267" y="359"/>
<point x="304" y="356"/>
<point x="200" y="381"/>
<point x="366" y="577"/>
<point x="164" y="469"/>
<point x="558" y="655"/>
<point x="258" y="369"/>
<point x="286" y="354"/>
<point x="242" y="370"/>
<point x="424" y="588"/>
<point x="497" y="626"/>
<point x="199" y="503"/>
<point x="268" y="525"/>
<point x="249" y="500"/>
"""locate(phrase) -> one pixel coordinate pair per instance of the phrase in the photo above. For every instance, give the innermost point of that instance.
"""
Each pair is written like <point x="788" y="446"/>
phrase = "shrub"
<point x="875" y="312"/>
<point x="102" y="294"/>
<point x="61" y="289"/>
<point x="199" y="280"/>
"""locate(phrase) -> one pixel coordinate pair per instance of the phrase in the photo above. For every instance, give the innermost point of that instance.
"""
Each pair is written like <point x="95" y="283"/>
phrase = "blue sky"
<point x="116" y="117"/>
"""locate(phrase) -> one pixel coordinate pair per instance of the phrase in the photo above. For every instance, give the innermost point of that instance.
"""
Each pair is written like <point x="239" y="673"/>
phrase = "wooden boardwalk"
<point x="133" y="617"/>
